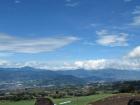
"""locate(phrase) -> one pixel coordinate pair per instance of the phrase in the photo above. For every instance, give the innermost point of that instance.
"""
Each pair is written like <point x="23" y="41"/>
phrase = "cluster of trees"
<point x="17" y="97"/>
<point x="127" y="87"/>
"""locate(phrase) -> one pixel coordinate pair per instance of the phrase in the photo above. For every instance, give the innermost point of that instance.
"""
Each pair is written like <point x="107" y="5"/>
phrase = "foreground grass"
<point x="74" y="101"/>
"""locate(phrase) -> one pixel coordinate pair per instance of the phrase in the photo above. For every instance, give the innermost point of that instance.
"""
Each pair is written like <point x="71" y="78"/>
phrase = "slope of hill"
<point x="120" y="99"/>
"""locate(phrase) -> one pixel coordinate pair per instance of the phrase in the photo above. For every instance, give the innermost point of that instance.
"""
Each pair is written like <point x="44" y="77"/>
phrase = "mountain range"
<point x="65" y="77"/>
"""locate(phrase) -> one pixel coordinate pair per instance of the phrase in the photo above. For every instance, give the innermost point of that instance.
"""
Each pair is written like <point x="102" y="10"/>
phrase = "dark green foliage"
<point x="127" y="89"/>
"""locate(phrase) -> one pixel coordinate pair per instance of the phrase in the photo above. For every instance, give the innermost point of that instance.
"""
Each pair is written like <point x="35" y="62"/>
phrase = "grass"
<point x="74" y="101"/>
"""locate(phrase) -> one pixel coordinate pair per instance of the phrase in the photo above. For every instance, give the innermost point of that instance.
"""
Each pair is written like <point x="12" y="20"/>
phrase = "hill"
<point x="120" y="99"/>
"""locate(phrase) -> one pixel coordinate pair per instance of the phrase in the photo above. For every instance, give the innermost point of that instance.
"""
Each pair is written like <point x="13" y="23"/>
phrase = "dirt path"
<point x="121" y="99"/>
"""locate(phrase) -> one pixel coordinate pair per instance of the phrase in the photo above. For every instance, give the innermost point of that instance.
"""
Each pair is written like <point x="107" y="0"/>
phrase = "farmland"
<point x="83" y="100"/>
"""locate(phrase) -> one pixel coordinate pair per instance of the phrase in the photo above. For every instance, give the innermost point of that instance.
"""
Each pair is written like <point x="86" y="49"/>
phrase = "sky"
<point x="70" y="34"/>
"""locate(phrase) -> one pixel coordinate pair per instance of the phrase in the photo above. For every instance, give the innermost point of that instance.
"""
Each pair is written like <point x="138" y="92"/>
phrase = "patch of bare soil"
<point x="120" y="99"/>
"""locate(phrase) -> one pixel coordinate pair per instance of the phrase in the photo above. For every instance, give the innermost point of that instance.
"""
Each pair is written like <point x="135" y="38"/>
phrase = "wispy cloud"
<point x="136" y="10"/>
<point x="17" y="1"/>
<point x="70" y="3"/>
<point x="136" y="21"/>
<point x="89" y="43"/>
<point x="127" y="0"/>
<point x="34" y="45"/>
<point x="94" y="25"/>
<point x="68" y="0"/>
<point x="107" y="38"/>
<point x="136" y="17"/>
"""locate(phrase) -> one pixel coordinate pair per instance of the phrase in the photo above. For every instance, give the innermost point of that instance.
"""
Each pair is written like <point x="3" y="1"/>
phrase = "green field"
<point x="74" y="101"/>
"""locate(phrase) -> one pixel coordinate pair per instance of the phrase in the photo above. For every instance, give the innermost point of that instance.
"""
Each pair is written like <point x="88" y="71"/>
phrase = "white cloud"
<point x="126" y="64"/>
<point x="70" y="4"/>
<point x="96" y="64"/>
<point x="136" y="21"/>
<point x="33" y="45"/>
<point x="106" y="38"/>
<point x="122" y="64"/>
<point x="4" y="63"/>
<point x="135" y="53"/>
<point x="136" y="10"/>
<point x="136" y="17"/>
<point x="91" y="64"/>
<point x="131" y="62"/>
<point x="102" y="32"/>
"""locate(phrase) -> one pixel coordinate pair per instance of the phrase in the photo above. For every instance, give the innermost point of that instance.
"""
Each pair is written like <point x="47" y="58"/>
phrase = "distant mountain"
<point x="42" y="77"/>
<point x="31" y="76"/>
<point x="104" y="74"/>
<point x="25" y="73"/>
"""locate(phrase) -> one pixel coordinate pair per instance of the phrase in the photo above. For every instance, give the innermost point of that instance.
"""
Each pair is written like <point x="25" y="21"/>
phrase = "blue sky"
<point x="70" y="34"/>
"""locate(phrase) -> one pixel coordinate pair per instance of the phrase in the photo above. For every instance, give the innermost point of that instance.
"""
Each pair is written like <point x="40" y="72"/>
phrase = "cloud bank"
<point x="130" y="62"/>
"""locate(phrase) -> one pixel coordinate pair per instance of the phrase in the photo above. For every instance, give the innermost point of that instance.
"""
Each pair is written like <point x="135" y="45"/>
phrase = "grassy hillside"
<point x="74" y="101"/>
